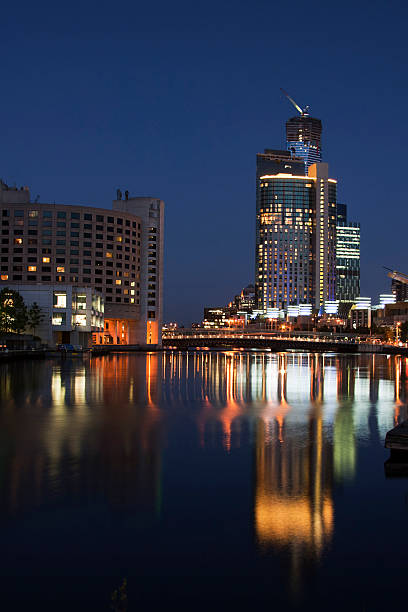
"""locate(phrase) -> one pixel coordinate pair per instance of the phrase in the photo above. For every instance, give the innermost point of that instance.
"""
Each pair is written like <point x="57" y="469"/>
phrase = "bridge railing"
<point x="185" y="334"/>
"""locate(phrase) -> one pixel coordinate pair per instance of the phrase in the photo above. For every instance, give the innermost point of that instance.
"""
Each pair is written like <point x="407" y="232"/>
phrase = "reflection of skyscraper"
<point x="317" y="379"/>
<point x="344" y="443"/>
<point x="293" y="503"/>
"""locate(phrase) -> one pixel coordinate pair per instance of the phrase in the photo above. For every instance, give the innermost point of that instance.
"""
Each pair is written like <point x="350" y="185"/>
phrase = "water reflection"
<point x="307" y="414"/>
<point x="80" y="430"/>
<point x="96" y="430"/>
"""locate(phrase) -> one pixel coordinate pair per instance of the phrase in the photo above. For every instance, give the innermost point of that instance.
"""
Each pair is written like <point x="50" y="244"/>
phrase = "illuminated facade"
<point x="303" y="139"/>
<point x="295" y="239"/>
<point x="347" y="257"/>
<point x="117" y="252"/>
<point x="71" y="314"/>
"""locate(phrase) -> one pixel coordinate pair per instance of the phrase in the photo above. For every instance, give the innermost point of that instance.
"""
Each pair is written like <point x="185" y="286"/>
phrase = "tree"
<point x="389" y="334"/>
<point x="404" y="331"/>
<point x="13" y="311"/>
<point x="119" y="598"/>
<point x="35" y="317"/>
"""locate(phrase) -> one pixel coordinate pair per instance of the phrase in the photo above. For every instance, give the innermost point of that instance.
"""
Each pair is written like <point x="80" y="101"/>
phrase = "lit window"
<point x="32" y="268"/>
<point x="81" y="302"/>
<point x="4" y="277"/>
<point x="80" y="319"/>
<point x="33" y="213"/>
<point x="46" y="260"/>
<point x="59" y="268"/>
<point x="109" y="254"/>
<point x="18" y="241"/>
<point x="118" y="238"/>
<point x="58" y="318"/>
<point x="118" y="281"/>
<point x="132" y="300"/>
<point x="60" y="300"/>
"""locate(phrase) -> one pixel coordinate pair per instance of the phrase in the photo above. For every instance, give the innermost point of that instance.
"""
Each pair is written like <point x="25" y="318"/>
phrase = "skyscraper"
<point x="304" y="135"/>
<point x="347" y="257"/>
<point x="295" y="237"/>
<point x="303" y="138"/>
<point x="399" y="285"/>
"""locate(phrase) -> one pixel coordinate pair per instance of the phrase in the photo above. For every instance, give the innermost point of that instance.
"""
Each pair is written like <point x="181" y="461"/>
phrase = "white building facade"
<point x="71" y="315"/>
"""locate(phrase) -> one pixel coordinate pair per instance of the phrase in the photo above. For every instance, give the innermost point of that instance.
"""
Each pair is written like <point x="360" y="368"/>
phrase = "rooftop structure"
<point x="303" y="135"/>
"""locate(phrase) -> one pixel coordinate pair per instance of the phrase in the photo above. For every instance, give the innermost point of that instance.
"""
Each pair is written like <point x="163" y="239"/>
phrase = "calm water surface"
<point x="210" y="480"/>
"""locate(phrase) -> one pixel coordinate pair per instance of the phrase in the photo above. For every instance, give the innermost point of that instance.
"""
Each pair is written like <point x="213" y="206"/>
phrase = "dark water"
<point x="210" y="481"/>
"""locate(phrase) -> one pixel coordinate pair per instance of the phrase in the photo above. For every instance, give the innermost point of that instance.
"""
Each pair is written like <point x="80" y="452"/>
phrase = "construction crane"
<point x="399" y="276"/>
<point x="304" y="112"/>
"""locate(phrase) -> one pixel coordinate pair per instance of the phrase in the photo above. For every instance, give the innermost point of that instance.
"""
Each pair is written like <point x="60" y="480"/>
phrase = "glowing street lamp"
<point x="397" y="331"/>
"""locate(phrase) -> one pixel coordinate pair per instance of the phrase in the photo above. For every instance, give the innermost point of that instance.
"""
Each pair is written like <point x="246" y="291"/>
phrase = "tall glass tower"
<point x="347" y="257"/>
<point x="295" y="241"/>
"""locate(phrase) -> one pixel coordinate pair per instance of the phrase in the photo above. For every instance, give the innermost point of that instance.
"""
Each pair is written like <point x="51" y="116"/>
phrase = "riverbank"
<point x="6" y="356"/>
<point x="275" y="346"/>
<point x="97" y="351"/>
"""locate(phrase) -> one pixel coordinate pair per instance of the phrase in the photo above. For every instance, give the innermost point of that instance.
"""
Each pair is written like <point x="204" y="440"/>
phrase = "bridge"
<point x="312" y="342"/>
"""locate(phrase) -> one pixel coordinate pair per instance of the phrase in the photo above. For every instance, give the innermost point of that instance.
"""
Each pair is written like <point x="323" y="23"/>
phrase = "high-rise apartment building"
<point x="347" y="257"/>
<point x="272" y="162"/>
<point x="303" y="138"/>
<point x="117" y="252"/>
<point x="295" y="237"/>
<point x="341" y="212"/>
<point x="400" y="290"/>
<point x="399" y="285"/>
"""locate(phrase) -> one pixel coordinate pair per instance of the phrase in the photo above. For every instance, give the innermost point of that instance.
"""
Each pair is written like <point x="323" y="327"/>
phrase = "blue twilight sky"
<point x="174" y="99"/>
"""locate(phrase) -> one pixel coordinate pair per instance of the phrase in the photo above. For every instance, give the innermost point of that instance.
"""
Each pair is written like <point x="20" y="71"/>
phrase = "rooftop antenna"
<point x="304" y="112"/>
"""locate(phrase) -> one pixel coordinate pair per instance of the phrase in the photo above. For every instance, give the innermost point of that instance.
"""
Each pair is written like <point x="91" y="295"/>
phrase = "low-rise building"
<point x="395" y="313"/>
<point x="218" y="317"/>
<point x="71" y="315"/>
<point x="360" y="316"/>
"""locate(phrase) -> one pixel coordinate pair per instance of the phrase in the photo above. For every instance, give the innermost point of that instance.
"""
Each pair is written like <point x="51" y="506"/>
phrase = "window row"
<point x="48" y="214"/>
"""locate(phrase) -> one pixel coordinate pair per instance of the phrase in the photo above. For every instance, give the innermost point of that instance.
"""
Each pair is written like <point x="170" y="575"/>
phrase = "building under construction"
<point x="304" y="135"/>
<point x="399" y="285"/>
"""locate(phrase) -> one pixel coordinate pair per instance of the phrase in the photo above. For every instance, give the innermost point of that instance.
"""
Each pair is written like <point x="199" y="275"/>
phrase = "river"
<point x="209" y="480"/>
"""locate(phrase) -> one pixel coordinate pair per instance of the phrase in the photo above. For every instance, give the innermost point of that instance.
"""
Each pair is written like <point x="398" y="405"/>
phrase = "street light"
<point x="397" y="331"/>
